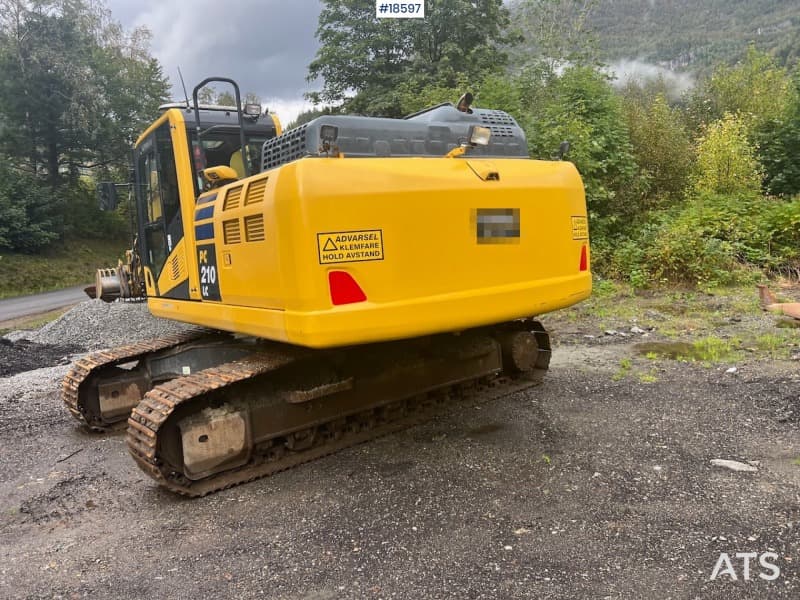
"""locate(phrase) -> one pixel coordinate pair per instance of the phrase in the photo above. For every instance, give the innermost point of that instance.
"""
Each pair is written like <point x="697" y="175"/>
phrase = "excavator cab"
<point x="170" y="160"/>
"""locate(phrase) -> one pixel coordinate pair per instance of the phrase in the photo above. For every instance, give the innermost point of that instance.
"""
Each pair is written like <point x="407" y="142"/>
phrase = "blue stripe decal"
<point x="205" y="199"/>
<point x="204" y="213"/>
<point x="204" y="232"/>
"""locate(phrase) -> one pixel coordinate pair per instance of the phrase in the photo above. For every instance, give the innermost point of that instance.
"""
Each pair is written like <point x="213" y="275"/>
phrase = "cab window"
<point x="157" y="198"/>
<point x="222" y="148"/>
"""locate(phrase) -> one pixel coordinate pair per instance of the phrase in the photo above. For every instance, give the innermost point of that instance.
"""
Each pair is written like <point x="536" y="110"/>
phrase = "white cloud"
<point x="287" y="110"/>
<point x="636" y="70"/>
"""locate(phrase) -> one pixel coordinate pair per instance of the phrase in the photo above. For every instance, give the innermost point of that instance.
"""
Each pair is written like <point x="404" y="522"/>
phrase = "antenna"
<point x="185" y="93"/>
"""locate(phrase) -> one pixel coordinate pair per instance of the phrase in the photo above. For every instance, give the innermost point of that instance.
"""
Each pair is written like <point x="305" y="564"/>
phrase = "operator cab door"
<point x="160" y="224"/>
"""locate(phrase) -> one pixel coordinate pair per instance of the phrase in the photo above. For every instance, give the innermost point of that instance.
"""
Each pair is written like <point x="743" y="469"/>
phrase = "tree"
<point x="660" y="143"/>
<point x="363" y="60"/>
<point x="75" y="91"/>
<point x="726" y="162"/>
<point x="755" y="88"/>
<point x="75" y="87"/>
<point x="580" y="106"/>
<point x="210" y="95"/>
<point x="779" y="147"/>
<point x="26" y="224"/>
<point x="556" y="32"/>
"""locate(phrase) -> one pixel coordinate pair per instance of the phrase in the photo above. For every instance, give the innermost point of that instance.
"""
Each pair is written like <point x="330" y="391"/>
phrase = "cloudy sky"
<point x="265" y="45"/>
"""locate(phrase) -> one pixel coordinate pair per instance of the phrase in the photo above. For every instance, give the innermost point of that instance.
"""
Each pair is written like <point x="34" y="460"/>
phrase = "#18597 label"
<point x="399" y="10"/>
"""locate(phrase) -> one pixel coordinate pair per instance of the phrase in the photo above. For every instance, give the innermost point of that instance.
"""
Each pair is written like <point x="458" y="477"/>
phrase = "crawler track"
<point x="151" y="426"/>
<point x="74" y="387"/>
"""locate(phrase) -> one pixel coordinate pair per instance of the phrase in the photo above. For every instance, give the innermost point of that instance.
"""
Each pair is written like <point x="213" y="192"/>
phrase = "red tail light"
<point x="584" y="259"/>
<point x="344" y="289"/>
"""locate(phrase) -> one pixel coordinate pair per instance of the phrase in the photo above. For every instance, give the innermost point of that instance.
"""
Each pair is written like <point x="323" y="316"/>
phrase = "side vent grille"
<point x="233" y="198"/>
<point x="175" y="266"/>
<point x="254" y="228"/>
<point x="231" y="232"/>
<point x="255" y="193"/>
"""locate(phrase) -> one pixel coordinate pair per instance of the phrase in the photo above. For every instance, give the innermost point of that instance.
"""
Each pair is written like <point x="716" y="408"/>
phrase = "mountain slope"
<point x="694" y="34"/>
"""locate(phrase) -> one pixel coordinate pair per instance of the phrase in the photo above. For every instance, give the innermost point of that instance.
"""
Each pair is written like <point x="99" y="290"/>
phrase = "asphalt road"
<point x="22" y="306"/>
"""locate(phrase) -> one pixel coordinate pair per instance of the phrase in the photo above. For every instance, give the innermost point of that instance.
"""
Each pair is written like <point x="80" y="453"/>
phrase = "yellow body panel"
<point x="420" y="260"/>
<point x="175" y="270"/>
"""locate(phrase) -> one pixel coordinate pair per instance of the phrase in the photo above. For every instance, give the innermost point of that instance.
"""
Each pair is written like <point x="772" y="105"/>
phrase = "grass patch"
<point x="709" y="349"/>
<point x="778" y="345"/>
<point x="33" y="322"/>
<point x="624" y="369"/>
<point x="70" y="264"/>
<point x="650" y="377"/>
<point x="796" y="461"/>
<point x="770" y="342"/>
<point x="674" y="312"/>
<point x="713" y="349"/>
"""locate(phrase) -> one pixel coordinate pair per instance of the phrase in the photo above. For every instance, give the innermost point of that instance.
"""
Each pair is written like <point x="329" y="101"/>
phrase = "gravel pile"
<point x="95" y="324"/>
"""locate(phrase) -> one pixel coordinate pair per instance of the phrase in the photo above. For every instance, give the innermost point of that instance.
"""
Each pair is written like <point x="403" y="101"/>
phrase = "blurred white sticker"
<point x="399" y="10"/>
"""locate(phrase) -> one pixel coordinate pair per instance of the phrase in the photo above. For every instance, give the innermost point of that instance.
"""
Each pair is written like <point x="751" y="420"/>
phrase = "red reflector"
<point x="344" y="289"/>
<point x="584" y="259"/>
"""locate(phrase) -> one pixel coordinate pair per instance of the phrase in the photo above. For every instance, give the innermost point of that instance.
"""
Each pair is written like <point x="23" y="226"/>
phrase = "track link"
<point x="147" y="420"/>
<point x="84" y="368"/>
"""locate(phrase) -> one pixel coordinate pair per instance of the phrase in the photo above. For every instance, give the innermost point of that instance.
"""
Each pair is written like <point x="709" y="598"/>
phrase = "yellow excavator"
<point x="346" y="277"/>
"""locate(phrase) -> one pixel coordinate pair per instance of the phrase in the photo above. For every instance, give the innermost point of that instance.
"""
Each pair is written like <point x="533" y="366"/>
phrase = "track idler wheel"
<point x="526" y="352"/>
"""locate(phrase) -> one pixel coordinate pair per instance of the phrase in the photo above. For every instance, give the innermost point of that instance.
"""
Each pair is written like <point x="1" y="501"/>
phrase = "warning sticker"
<point x="350" y="246"/>
<point x="580" y="228"/>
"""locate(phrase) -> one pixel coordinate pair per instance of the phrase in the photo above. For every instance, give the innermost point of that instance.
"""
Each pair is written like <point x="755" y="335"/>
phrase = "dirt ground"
<point x="596" y="484"/>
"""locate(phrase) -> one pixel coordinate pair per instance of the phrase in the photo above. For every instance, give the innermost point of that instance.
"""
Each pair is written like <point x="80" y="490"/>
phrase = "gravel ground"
<point x="23" y="355"/>
<point x="589" y="486"/>
<point x="95" y="324"/>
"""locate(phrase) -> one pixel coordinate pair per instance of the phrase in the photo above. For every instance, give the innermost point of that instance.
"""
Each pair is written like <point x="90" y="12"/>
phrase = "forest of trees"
<point x="75" y="91"/>
<point x="701" y="188"/>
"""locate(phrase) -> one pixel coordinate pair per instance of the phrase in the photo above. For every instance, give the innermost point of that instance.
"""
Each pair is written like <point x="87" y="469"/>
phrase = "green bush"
<point x="726" y="162"/>
<point x="713" y="239"/>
